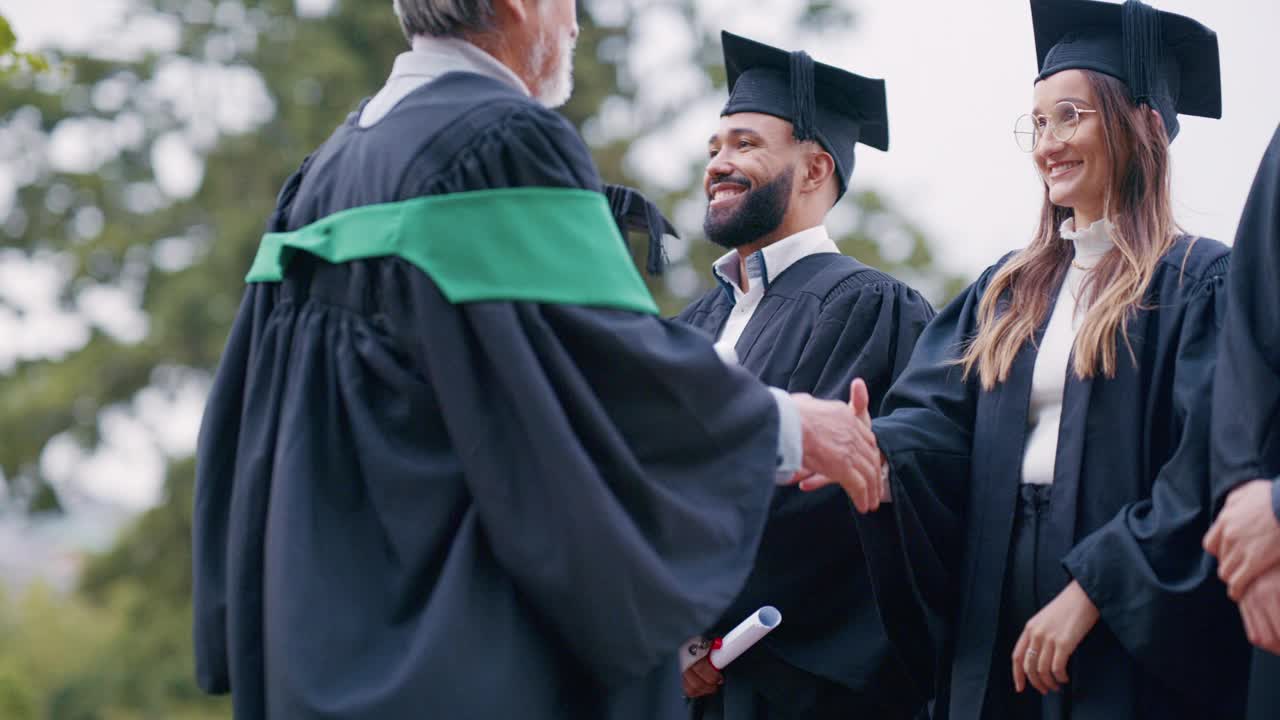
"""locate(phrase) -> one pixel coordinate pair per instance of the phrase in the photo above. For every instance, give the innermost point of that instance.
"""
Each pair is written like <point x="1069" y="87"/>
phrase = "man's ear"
<point x="819" y="167"/>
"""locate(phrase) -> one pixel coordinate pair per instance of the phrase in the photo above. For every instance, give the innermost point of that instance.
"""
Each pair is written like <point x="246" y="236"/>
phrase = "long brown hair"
<point x="1137" y="202"/>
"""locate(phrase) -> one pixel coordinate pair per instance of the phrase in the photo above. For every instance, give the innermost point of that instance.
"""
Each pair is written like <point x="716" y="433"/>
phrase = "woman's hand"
<point x="1040" y="656"/>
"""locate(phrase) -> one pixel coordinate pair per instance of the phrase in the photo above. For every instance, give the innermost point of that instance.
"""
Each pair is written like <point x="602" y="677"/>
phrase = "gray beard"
<point x="555" y="90"/>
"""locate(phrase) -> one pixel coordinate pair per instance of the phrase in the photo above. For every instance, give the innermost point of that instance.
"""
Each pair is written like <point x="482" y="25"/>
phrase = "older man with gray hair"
<point x="453" y="464"/>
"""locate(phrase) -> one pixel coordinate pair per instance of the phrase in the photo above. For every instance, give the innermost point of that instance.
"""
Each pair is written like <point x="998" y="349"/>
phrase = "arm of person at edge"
<point x="1260" y="610"/>
<point x="1246" y="540"/>
<point x="1246" y="536"/>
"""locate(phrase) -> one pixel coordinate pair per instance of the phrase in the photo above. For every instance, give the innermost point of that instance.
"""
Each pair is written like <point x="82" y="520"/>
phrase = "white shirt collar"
<point x="767" y="264"/>
<point x="430" y="58"/>
<point x="435" y="56"/>
<point x="1091" y="243"/>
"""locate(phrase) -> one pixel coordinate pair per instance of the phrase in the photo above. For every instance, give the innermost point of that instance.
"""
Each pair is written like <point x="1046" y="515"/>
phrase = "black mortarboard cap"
<point x="832" y="106"/>
<point x="1168" y="61"/>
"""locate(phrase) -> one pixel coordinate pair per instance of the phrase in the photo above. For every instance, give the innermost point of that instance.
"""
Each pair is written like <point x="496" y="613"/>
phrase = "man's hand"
<point x="839" y="447"/>
<point x="1049" y="639"/>
<point x="1260" y="608"/>
<point x="1246" y="537"/>
<point x="702" y="679"/>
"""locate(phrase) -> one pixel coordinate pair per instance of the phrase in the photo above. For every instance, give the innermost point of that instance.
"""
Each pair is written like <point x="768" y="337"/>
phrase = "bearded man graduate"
<point x="804" y="317"/>
<point x="452" y="464"/>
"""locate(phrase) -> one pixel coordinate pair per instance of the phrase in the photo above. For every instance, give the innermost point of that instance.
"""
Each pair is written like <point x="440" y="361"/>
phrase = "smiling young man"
<point x="806" y="318"/>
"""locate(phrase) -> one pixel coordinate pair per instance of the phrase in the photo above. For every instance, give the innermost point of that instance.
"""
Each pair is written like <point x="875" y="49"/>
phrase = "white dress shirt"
<point x="1053" y="361"/>
<point x="430" y="58"/>
<point x="762" y="267"/>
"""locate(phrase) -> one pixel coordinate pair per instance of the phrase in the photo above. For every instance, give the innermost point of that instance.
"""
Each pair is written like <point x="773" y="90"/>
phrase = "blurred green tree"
<point x="13" y="60"/>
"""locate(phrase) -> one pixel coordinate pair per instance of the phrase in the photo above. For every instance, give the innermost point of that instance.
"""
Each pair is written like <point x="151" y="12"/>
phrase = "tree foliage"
<point x="13" y="60"/>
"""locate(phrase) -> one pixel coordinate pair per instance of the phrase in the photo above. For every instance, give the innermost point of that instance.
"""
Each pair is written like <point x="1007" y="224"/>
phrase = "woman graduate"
<point x="1045" y="452"/>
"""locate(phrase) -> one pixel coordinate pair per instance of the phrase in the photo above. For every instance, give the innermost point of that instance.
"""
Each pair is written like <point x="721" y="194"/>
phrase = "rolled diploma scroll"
<point x="739" y="640"/>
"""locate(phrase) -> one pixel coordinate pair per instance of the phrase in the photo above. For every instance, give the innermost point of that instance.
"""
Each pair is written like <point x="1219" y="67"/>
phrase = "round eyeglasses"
<point x="1062" y="121"/>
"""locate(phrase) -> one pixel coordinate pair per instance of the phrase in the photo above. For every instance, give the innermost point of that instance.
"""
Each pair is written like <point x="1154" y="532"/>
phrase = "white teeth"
<point x="722" y="194"/>
<point x="1062" y="168"/>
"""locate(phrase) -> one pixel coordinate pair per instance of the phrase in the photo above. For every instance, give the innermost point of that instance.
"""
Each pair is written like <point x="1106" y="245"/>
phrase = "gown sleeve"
<point x="925" y="430"/>
<point x="1156" y="589"/>
<point x="621" y="471"/>
<point x="1247" y="382"/>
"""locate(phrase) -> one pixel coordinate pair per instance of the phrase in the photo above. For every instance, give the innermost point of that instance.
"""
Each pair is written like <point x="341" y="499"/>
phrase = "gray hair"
<point x="444" y="18"/>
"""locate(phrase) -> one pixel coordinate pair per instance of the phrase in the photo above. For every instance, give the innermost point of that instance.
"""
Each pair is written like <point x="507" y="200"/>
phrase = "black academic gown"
<point x="1246" y="418"/>
<point x="1130" y="504"/>
<point x="822" y="322"/>
<point x="408" y="508"/>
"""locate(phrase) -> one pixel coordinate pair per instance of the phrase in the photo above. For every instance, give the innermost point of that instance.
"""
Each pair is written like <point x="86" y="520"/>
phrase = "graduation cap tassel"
<point x="1142" y="48"/>
<point x="805" y="104"/>
<point x="633" y="211"/>
<point x="656" y="261"/>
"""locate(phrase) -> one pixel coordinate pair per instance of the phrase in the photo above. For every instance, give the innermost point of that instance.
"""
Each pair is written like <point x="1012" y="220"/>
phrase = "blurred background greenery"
<point x="143" y="266"/>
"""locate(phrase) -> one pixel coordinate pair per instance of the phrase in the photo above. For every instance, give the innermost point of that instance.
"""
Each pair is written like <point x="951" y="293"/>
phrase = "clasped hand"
<point x="839" y="448"/>
<point x="1246" y="540"/>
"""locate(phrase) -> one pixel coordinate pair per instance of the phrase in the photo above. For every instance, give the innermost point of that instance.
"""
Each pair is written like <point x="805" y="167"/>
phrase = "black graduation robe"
<point x="1246" y="412"/>
<point x="1130" y="504"/>
<point x="822" y="322"/>
<point x="408" y="507"/>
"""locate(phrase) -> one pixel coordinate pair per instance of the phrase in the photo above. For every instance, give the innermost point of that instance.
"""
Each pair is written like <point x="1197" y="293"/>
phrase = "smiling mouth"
<point x="1063" y="168"/>
<point x="725" y="194"/>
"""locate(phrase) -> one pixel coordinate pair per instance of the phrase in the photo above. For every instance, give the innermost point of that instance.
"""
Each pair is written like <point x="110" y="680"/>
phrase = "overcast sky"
<point x="958" y="74"/>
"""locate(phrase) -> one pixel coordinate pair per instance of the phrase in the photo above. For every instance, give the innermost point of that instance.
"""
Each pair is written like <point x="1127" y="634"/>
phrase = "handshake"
<point x="839" y="448"/>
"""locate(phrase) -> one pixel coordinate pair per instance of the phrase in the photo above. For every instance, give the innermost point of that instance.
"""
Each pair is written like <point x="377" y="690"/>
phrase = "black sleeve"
<point x="220" y="428"/>
<point x="925" y="430"/>
<point x="1246" y="441"/>
<point x="1156" y="589"/>
<point x="621" y="472"/>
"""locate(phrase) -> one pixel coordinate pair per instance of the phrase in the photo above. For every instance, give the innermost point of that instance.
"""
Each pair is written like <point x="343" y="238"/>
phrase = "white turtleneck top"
<point x="1054" y="358"/>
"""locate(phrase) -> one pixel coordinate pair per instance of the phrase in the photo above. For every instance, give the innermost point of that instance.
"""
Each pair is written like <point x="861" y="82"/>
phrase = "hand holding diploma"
<point x="702" y="661"/>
